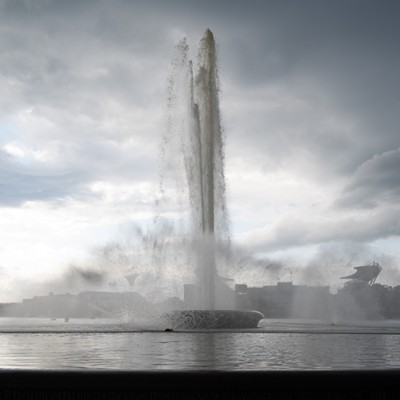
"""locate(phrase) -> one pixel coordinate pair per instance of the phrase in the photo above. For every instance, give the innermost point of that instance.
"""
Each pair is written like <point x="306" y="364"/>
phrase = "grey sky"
<point x="310" y="101"/>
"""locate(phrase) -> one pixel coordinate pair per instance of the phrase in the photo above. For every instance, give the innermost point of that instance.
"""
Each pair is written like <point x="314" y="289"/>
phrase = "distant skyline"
<point x="310" y="101"/>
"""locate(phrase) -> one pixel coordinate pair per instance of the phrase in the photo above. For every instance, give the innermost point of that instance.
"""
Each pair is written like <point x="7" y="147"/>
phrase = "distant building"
<point x="365" y="273"/>
<point x="286" y="300"/>
<point x="89" y="304"/>
<point x="361" y="300"/>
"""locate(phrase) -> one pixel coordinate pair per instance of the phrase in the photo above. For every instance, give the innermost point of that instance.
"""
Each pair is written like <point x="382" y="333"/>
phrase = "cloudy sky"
<point x="310" y="98"/>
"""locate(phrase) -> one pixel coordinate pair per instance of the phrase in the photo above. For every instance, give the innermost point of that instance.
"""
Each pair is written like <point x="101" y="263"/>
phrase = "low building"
<point x="286" y="300"/>
<point x="90" y="304"/>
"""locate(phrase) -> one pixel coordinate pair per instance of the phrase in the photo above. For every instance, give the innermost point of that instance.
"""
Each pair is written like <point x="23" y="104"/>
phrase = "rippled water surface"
<point x="282" y="345"/>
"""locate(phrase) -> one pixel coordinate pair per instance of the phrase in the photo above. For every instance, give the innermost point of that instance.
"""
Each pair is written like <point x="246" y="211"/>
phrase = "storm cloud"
<point x="374" y="182"/>
<point x="310" y="101"/>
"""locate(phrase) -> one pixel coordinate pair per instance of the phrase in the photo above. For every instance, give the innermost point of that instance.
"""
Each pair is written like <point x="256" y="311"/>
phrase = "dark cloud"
<point x="22" y="188"/>
<point x="90" y="276"/>
<point x="341" y="60"/>
<point x="73" y="85"/>
<point x="20" y="183"/>
<point x="72" y="173"/>
<point x="296" y="230"/>
<point x="309" y="87"/>
<point x="375" y="182"/>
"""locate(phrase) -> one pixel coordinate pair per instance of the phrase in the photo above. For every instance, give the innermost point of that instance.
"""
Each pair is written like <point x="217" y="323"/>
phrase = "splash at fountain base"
<point x="211" y="319"/>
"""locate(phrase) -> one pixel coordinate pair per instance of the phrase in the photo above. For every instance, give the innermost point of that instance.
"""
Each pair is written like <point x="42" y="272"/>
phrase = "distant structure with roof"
<point x="365" y="273"/>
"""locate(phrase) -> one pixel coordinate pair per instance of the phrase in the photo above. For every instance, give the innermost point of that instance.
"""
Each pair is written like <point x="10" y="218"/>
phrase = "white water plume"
<point x="194" y="141"/>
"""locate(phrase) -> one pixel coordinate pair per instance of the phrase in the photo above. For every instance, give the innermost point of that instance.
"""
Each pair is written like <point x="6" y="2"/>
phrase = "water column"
<point x="207" y="155"/>
<point x="194" y="126"/>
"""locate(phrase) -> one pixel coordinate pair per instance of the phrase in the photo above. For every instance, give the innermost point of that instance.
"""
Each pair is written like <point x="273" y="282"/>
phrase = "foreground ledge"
<point x="211" y="319"/>
<point x="73" y="384"/>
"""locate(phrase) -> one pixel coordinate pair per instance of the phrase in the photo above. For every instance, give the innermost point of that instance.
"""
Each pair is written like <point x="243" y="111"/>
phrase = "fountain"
<point x="203" y="162"/>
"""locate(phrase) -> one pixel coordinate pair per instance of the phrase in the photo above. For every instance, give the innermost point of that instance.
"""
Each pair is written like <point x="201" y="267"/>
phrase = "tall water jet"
<point x="204" y="166"/>
<point x="195" y="94"/>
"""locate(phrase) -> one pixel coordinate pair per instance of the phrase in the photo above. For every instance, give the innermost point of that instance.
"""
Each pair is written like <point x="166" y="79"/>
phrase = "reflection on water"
<point x="197" y="351"/>
<point x="260" y="349"/>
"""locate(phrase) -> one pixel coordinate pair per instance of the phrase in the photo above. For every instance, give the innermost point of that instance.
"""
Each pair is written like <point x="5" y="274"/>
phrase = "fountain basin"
<point x="212" y="319"/>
